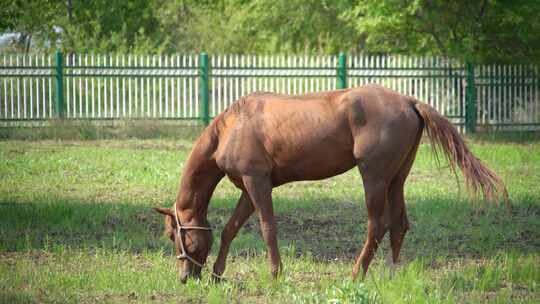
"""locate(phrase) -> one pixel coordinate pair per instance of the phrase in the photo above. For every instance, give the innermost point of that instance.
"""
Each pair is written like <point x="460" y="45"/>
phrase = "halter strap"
<point x="183" y="254"/>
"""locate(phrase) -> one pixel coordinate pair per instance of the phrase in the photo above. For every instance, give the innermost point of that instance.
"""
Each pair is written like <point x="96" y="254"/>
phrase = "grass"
<point x="76" y="226"/>
<point x="92" y="130"/>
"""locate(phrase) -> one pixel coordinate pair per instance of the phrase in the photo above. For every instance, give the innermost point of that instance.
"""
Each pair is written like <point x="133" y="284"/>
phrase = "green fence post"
<point x="59" y="85"/>
<point x="342" y="71"/>
<point x="203" y="88"/>
<point x="470" y="101"/>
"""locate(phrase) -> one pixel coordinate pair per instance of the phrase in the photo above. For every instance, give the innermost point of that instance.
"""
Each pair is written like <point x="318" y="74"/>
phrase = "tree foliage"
<point x="256" y="26"/>
<point x="30" y="19"/>
<point x="108" y="26"/>
<point x="77" y="25"/>
<point x="480" y="31"/>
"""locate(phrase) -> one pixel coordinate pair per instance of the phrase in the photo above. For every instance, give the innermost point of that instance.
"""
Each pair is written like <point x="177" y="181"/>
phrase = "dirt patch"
<point x="335" y="235"/>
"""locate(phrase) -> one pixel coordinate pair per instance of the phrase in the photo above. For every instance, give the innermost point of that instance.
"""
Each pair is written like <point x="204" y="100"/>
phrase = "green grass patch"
<point x="92" y="130"/>
<point x="76" y="225"/>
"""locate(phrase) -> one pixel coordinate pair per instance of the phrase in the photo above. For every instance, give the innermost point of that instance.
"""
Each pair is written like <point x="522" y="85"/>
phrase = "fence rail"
<point x="198" y="87"/>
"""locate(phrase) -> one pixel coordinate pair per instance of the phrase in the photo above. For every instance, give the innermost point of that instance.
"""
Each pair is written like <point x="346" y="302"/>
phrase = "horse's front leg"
<point x="241" y="213"/>
<point x="259" y="189"/>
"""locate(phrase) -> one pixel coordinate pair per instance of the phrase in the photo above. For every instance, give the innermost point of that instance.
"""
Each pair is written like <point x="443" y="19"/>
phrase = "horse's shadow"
<point x="328" y="230"/>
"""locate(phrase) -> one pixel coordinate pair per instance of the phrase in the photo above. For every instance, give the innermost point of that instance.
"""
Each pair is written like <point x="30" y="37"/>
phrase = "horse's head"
<point x="192" y="241"/>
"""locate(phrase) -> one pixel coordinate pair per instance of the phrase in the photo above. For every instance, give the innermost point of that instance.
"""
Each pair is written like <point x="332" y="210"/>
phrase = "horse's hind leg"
<point x="241" y="213"/>
<point x="399" y="223"/>
<point x="380" y="156"/>
<point x="376" y="201"/>
<point x="374" y="166"/>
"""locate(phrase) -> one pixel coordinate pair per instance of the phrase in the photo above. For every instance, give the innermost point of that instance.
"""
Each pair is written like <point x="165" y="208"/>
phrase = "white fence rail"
<point x="26" y="93"/>
<point x="168" y="86"/>
<point x="507" y="96"/>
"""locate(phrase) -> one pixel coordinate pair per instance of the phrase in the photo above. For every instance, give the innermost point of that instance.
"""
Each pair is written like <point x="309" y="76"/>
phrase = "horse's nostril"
<point x="183" y="277"/>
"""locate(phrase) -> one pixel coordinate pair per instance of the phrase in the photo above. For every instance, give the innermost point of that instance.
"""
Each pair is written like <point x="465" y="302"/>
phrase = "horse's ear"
<point x="164" y="211"/>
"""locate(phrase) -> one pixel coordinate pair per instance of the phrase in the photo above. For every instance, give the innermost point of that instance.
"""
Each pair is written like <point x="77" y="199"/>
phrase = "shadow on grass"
<point x="330" y="230"/>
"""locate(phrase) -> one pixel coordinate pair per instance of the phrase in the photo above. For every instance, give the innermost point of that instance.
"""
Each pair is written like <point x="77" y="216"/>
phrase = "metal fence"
<point x="196" y="87"/>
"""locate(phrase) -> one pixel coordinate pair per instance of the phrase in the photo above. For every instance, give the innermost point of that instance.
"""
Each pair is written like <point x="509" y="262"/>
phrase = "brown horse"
<point x="265" y="140"/>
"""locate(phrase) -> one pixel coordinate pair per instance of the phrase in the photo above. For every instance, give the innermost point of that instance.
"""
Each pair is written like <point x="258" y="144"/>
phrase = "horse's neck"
<point x="200" y="178"/>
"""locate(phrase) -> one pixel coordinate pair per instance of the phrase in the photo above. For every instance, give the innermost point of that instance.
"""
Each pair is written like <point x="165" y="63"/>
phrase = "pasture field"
<point x="76" y="226"/>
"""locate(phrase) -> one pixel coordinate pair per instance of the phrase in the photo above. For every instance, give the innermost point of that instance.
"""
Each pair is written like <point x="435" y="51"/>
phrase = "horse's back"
<point x="304" y="137"/>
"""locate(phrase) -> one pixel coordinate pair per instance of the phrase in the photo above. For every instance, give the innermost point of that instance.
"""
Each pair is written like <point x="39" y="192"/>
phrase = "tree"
<point x="109" y="26"/>
<point x="256" y="26"/>
<point x="480" y="31"/>
<point x="28" y="19"/>
<point x="76" y="25"/>
<point x="300" y="26"/>
<point x="196" y="26"/>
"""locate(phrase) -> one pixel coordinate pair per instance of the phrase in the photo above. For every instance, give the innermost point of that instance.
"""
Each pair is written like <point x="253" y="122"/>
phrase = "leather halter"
<point x="183" y="254"/>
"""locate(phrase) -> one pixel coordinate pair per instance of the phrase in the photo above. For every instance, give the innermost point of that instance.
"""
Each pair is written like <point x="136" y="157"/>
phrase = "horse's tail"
<point x="444" y="136"/>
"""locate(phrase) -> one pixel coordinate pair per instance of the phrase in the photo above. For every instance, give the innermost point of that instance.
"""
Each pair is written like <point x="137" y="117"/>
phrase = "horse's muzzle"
<point x="194" y="272"/>
<point x="183" y="277"/>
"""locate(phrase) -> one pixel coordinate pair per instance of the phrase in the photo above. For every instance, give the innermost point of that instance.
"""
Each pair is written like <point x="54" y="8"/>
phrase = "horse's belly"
<point x="316" y="165"/>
